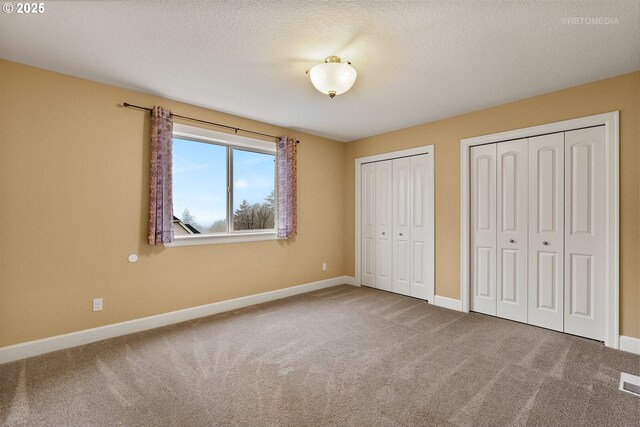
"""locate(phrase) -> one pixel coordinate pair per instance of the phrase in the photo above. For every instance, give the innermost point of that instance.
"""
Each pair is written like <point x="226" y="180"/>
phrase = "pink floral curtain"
<point x="160" y="194"/>
<point x="286" y="155"/>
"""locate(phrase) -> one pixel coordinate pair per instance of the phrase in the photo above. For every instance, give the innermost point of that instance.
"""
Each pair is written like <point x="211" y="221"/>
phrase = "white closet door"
<point x="512" y="242"/>
<point x="368" y="220"/>
<point x="384" y="226"/>
<point x="546" y="231"/>
<point x="422" y="227"/>
<point x="401" y="226"/>
<point x="483" y="229"/>
<point x="584" y="233"/>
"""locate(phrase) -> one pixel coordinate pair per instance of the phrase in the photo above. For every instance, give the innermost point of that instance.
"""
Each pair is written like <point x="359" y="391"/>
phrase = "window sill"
<point x="225" y="238"/>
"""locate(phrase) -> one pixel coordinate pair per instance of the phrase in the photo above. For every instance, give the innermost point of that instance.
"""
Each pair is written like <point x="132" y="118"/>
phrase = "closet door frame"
<point x="426" y="149"/>
<point x="610" y="121"/>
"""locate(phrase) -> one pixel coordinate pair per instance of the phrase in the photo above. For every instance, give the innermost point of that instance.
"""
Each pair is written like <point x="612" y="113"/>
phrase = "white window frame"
<point x="231" y="141"/>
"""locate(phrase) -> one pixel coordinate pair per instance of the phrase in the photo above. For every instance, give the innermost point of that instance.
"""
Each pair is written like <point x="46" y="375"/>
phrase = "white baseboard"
<point x="450" y="303"/>
<point x="350" y="280"/>
<point x="60" y="342"/>
<point x="630" y="344"/>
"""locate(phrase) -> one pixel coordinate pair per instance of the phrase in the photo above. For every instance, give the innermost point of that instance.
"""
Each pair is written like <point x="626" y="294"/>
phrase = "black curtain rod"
<point x="234" y="129"/>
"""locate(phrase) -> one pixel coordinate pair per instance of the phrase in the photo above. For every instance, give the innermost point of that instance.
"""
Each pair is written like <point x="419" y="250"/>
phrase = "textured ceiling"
<point x="416" y="61"/>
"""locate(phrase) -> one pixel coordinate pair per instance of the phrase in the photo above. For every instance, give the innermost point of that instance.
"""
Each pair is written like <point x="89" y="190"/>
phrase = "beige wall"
<point x="74" y="200"/>
<point x="620" y="93"/>
<point x="73" y="203"/>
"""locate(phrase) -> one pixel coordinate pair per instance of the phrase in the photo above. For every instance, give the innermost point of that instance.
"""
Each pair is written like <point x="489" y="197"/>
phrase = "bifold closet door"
<point x="384" y="225"/>
<point x="512" y="230"/>
<point x="402" y="225"/>
<point x="546" y="231"/>
<point x="483" y="228"/>
<point x="584" y="232"/>
<point x="368" y="221"/>
<point x="421" y="233"/>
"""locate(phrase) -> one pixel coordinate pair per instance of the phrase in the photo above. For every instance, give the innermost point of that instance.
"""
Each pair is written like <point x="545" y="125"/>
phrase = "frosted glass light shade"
<point x="333" y="78"/>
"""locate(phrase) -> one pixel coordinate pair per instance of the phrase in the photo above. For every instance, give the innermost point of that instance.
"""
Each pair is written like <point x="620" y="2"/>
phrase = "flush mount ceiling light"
<point x="333" y="77"/>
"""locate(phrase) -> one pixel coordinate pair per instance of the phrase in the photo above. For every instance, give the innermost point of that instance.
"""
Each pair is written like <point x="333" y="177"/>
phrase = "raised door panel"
<point x="384" y="226"/>
<point x="401" y="226"/>
<point x="368" y="223"/>
<point x="512" y="241"/>
<point x="584" y="232"/>
<point x="546" y="231"/>
<point x="483" y="229"/>
<point x="422" y="265"/>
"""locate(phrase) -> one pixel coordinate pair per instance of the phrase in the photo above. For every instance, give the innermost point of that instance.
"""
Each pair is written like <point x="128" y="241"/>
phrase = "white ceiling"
<point x="416" y="61"/>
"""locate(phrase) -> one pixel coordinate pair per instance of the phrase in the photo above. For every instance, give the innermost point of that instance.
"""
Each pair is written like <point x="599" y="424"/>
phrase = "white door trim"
<point x="612" y="221"/>
<point x="427" y="149"/>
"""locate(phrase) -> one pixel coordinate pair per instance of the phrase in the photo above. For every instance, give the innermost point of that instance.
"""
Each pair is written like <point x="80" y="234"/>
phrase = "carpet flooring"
<point x="340" y="356"/>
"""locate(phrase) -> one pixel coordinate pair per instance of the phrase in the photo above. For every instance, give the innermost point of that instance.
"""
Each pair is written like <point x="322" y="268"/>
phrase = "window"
<point x="223" y="187"/>
<point x="253" y="190"/>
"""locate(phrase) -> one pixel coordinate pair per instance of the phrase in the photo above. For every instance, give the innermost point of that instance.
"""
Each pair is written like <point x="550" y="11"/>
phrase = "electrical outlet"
<point x="324" y="266"/>
<point x="97" y="304"/>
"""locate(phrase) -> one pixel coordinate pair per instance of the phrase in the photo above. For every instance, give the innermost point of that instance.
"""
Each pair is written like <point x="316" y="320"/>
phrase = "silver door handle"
<point x="512" y="241"/>
<point x="545" y="243"/>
